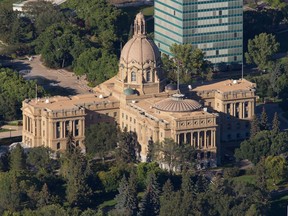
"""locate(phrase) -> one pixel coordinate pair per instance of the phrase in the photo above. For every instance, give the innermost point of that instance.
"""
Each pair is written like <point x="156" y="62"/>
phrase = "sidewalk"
<point x="15" y="131"/>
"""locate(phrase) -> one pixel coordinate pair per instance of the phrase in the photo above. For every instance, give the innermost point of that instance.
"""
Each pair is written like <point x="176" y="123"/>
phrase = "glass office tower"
<point x="214" y="26"/>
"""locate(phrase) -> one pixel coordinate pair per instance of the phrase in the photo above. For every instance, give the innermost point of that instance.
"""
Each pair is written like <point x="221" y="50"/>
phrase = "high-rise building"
<point x="214" y="26"/>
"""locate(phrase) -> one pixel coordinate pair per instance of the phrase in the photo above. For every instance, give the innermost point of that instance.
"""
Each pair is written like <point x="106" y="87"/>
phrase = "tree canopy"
<point x="261" y="49"/>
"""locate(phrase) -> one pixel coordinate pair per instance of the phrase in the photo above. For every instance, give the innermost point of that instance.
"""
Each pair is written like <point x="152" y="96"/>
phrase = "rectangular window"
<point x="220" y="12"/>
<point x="235" y="58"/>
<point x="217" y="52"/>
<point x="57" y="130"/>
<point x="76" y="127"/>
<point x="235" y="34"/>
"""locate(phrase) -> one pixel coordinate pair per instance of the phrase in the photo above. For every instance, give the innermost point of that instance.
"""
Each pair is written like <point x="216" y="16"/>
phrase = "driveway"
<point x="55" y="81"/>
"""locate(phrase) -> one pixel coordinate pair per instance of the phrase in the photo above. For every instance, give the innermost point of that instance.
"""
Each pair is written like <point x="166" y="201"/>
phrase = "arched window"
<point x="148" y="74"/>
<point x="133" y="76"/>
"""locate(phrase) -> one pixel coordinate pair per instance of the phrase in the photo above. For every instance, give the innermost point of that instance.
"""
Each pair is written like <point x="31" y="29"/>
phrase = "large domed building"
<point x="138" y="99"/>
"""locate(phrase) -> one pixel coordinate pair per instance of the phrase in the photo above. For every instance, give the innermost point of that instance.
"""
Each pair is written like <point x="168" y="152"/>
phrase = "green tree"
<point x="264" y="120"/>
<point x="39" y="158"/>
<point x="150" y="204"/>
<point x="276" y="124"/>
<point x="175" y="156"/>
<point x="74" y="169"/>
<point x="43" y="14"/>
<point x="128" y="149"/>
<point x="150" y="150"/>
<point x="261" y="49"/>
<point x="98" y="64"/>
<point x="17" y="159"/>
<point x="127" y="203"/>
<point x="14" y="89"/>
<point x="276" y="168"/>
<point x="255" y="126"/>
<point x="60" y="45"/>
<point x="44" y="197"/>
<point x="278" y="4"/>
<point x="167" y="198"/>
<point x="255" y="148"/>
<point x="100" y="139"/>
<point x="11" y="196"/>
<point x="103" y="20"/>
<point x="189" y="60"/>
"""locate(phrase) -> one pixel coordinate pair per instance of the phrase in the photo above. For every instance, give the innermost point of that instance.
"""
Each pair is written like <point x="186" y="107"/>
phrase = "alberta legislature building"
<point x="139" y="99"/>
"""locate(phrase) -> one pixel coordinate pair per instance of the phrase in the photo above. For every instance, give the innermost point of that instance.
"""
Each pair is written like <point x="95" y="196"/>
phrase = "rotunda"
<point x="177" y="103"/>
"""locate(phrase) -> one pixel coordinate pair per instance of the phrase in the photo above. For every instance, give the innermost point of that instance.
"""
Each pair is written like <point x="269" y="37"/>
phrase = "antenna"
<point x="178" y="78"/>
<point x="242" y="72"/>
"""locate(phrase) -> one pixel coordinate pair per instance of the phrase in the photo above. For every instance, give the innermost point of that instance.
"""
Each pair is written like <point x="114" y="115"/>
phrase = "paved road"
<point x="15" y="131"/>
<point x="58" y="82"/>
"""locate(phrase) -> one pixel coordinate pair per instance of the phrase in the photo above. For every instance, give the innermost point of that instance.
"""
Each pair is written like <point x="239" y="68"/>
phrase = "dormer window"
<point x="133" y="76"/>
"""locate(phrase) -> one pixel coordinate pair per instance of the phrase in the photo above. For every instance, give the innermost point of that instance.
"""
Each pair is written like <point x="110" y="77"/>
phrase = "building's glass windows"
<point x="67" y="128"/>
<point x="237" y="110"/>
<point x="133" y="76"/>
<point x="148" y="78"/>
<point x="246" y="110"/>
<point x="76" y="127"/>
<point x="58" y="130"/>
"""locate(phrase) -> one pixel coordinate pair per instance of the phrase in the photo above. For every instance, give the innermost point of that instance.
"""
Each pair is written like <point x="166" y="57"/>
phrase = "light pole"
<point x="10" y="131"/>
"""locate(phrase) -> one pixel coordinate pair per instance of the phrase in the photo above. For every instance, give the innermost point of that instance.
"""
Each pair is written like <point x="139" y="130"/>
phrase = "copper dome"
<point x="177" y="103"/>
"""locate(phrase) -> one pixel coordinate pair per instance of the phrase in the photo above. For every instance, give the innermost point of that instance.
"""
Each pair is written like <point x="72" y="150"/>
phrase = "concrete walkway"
<point x="15" y="131"/>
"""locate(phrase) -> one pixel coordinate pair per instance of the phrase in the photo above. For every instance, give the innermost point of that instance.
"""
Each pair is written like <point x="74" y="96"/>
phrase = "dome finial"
<point x="139" y="24"/>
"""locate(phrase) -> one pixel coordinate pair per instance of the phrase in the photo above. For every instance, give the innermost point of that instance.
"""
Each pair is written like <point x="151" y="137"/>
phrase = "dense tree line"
<point x="33" y="183"/>
<point x="267" y="149"/>
<point x="83" y="37"/>
<point x="13" y="90"/>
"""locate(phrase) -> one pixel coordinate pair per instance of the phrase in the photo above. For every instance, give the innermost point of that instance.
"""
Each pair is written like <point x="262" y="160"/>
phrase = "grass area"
<point x="4" y="130"/>
<point x="148" y="11"/>
<point x="246" y="179"/>
<point x="278" y="206"/>
<point x="15" y="123"/>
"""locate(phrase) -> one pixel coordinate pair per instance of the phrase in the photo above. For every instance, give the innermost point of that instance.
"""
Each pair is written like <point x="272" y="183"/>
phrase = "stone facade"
<point x="201" y="115"/>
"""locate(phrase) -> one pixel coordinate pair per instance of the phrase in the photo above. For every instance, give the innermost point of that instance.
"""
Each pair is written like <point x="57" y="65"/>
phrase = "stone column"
<point x="198" y="139"/>
<point x="205" y="141"/>
<point x="185" y="140"/>
<point x="214" y="138"/>
<point x="82" y="127"/>
<point x="73" y="128"/>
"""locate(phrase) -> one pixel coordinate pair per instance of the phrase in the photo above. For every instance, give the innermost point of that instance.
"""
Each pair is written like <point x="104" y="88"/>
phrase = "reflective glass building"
<point x="214" y="26"/>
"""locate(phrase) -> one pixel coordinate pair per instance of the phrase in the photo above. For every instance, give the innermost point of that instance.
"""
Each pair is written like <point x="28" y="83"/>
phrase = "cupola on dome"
<point x="177" y="103"/>
<point x="140" y="49"/>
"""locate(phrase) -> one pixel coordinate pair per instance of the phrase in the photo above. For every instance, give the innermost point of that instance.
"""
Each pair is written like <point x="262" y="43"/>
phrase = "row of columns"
<point x="244" y="109"/>
<point x="27" y="124"/>
<point x="63" y="128"/>
<point x="199" y="139"/>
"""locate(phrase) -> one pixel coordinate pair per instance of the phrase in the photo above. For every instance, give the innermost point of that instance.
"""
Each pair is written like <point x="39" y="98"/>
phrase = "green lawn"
<point x="4" y="130"/>
<point x="148" y="11"/>
<point x="246" y="179"/>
